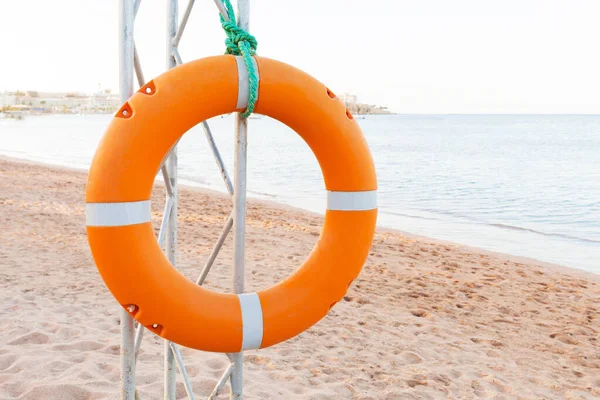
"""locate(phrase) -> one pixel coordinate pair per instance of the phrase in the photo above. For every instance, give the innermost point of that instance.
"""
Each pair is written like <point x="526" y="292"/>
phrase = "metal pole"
<point x="126" y="18"/>
<point x="239" y="211"/>
<point x="239" y="203"/>
<point x="171" y="245"/>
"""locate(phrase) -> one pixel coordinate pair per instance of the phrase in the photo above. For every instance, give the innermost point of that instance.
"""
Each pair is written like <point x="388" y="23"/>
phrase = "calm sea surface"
<point x="523" y="185"/>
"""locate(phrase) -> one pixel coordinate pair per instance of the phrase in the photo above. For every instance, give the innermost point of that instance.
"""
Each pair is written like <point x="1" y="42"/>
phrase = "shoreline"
<point x="274" y="204"/>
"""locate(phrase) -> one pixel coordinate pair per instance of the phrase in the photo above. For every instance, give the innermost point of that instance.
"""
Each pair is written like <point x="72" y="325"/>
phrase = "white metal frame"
<point x="131" y="336"/>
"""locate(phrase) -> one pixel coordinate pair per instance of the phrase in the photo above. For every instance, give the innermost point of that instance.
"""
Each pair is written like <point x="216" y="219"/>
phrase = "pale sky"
<point x="414" y="56"/>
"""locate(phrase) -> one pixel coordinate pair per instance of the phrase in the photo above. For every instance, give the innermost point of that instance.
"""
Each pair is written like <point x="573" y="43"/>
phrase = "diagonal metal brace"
<point x="183" y="23"/>
<point x="182" y="371"/>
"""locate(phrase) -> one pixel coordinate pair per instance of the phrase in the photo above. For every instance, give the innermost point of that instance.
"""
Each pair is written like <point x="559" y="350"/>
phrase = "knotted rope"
<point x="241" y="43"/>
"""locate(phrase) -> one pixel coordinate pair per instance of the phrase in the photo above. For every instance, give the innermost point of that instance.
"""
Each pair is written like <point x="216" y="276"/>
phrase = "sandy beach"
<point x="424" y="320"/>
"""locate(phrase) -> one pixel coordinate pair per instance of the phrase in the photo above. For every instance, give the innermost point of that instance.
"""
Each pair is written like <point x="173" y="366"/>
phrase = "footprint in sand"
<point x="57" y="366"/>
<point x="31" y="338"/>
<point x="67" y="333"/>
<point x="14" y="389"/>
<point x="63" y="392"/>
<point x="79" y="358"/>
<point x="86" y="345"/>
<point x="6" y="361"/>
<point x="205" y="385"/>
<point x="85" y="376"/>
<point x="115" y="350"/>
<point x="408" y="357"/>
<point x="216" y="364"/>
<point x="419" y="313"/>
<point x="565" y="338"/>
<point x="108" y="370"/>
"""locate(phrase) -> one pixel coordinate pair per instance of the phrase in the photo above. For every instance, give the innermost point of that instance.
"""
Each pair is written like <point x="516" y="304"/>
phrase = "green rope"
<point x="239" y="42"/>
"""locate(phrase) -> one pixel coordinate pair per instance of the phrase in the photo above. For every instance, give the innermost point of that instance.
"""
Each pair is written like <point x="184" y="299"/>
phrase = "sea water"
<point x="527" y="185"/>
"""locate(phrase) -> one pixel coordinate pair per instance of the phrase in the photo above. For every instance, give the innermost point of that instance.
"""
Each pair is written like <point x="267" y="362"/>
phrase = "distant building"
<point x="103" y="102"/>
<point x="71" y="102"/>
<point x="348" y="99"/>
<point x="8" y="99"/>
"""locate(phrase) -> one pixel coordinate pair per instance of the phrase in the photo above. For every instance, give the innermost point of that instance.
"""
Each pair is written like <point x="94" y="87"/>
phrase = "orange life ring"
<point x="119" y="186"/>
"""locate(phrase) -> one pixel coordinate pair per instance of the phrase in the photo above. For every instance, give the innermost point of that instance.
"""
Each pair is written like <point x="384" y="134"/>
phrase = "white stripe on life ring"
<point x="252" y="321"/>
<point x="117" y="214"/>
<point x="243" y="87"/>
<point x="352" y="201"/>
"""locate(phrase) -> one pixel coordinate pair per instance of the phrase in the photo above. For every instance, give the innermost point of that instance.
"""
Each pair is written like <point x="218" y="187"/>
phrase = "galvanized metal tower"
<point x="132" y="335"/>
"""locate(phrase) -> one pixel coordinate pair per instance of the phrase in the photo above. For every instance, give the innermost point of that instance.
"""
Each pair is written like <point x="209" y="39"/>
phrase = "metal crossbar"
<point x="138" y="67"/>
<point x="215" y="250"/>
<point x="182" y="371"/>
<point x="177" y="56"/>
<point x="183" y="23"/>
<point x="226" y="375"/>
<point x="131" y="337"/>
<point x="167" y="180"/>
<point x="223" y="9"/>
<point x="218" y="159"/>
<point x="136" y="7"/>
